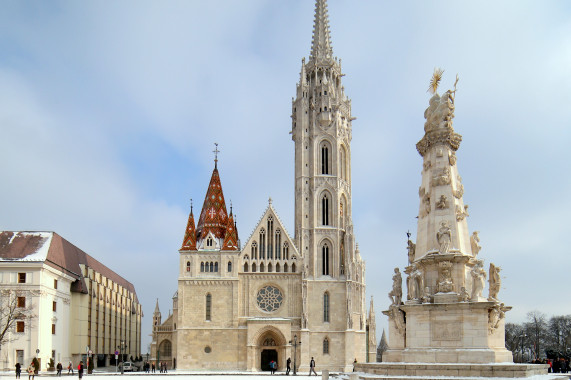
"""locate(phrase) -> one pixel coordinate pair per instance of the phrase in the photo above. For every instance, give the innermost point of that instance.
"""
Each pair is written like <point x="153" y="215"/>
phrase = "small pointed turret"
<point x="321" y="44"/>
<point x="231" y="238"/>
<point x="189" y="241"/>
<point x="157" y="315"/>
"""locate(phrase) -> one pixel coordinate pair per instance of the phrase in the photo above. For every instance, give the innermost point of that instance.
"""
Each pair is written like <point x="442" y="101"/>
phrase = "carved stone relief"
<point x="426" y="209"/>
<point x="421" y="192"/>
<point x="449" y="331"/>
<point x="445" y="283"/>
<point x="439" y="152"/>
<point x="463" y="296"/>
<point x="442" y="203"/>
<point x="461" y="214"/>
<point x="427" y="165"/>
<point x="459" y="192"/>
<point x="415" y="284"/>
<point x="452" y="158"/>
<point x="495" y="315"/>
<point x="397" y="315"/>
<point x="441" y="177"/>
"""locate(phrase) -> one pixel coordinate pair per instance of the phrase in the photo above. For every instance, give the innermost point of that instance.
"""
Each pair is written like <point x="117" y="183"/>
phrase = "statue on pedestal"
<point x="395" y="295"/>
<point x="411" y="247"/>
<point x="474" y="243"/>
<point x="495" y="282"/>
<point x="478" y="281"/>
<point x="445" y="283"/>
<point x="415" y="284"/>
<point x="443" y="236"/>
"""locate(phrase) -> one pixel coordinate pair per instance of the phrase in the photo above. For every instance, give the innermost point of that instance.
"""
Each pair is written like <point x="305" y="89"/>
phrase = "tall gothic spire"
<point x="321" y="44"/>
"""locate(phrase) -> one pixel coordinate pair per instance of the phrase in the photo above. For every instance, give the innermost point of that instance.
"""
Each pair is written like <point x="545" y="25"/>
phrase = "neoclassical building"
<point x="75" y="300"/>
<point x="239" y="306"/>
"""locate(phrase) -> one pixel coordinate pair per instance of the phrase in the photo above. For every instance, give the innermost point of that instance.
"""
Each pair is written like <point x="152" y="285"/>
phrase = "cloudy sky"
<point x="109" y="112"/>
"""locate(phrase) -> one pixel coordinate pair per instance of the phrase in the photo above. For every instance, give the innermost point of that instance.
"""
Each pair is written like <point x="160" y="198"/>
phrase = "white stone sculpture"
<point x="397" y="315"/>
<point x="474" y="243"/>
<point x="443" y="236"/>
<point x="442" y="203"/>
<point x="495" y="282"/>
<point x="445" y="283"/>
<point x="495" y="315"/>
<point x="415" y="284"/>
<point x="411" y="247"/>
<point x="440" y="112"/>
<point x="478" y="281"/>
<point x="395" y="294"/>
<point x="464" y="296"/>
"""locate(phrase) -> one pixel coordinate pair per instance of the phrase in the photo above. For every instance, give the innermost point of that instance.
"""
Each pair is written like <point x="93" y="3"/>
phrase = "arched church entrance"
<point x="271" y="346"/>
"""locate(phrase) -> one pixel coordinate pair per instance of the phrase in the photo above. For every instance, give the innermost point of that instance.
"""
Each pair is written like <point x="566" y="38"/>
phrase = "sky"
<point x="109" y="112"/>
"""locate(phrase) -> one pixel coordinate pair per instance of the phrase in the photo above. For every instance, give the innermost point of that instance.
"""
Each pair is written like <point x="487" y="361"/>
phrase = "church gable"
<point x="270" y="248"/>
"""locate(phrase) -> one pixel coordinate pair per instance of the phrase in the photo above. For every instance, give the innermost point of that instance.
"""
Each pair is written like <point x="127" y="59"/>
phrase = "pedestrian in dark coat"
<point x="18" y="370"/>
<point x="312" y="367"/>
<point x="288" y="366"/>
<point x="80" y="369"/>
<point x="59" y="367"/>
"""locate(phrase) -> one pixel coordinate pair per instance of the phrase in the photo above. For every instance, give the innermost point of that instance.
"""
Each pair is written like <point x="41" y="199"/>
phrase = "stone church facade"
<point x="240" y="306"/>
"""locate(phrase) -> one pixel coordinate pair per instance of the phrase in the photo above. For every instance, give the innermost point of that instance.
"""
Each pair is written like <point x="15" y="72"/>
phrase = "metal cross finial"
<point x="191" y="205"/>
<point x="408" y="234"/>
<point x="230" y="206"/>
<point x="216" y="151"/>
<point x="270" y="200"/>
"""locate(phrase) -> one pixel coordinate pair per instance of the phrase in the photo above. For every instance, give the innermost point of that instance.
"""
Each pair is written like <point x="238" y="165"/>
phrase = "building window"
<point x="262" y="244"/>
<point x="20" y="326"/>
<point x="253" y="267"/>
<point x="270" y="237"/>
<point x="229" y="266"/>
<point x="211" y="267"/>
<point x="216" y="267"/>
<point x="261" y="267"/>
<point x="21" y="301"/>
<point x="325" y="307"/>
<point x="188" y="266"/>
<point x="202" y="266"/>
<point x="165" y="349"/>
<point x="269" y="267"/>
<point x="209" y="242"/>
<point x="324" y="159"/>
<point x="325" y="259"/>
<point x="293" y="268"/>
<point x="343" y="163"/>
<point x="208" y="306"/>
<point x="286" y="251"/>
<point x="325" y="346"/>
<point x="278" y="267"/>
<point x="254" y="250"/>
<point x="55" y="284"/>
<point x="21" y="278"/>
<point x="325" y="211"/>
<point x="245" y="267"/>
<point x="54" y="306"/>
<point x="278" y="244"/>
<point x="53" y="328"/>
<point x="285" y="268"/>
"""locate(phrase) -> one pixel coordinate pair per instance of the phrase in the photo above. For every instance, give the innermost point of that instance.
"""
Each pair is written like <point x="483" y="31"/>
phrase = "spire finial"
<point x="191" y="205"/>
<point x="216" y="151"/>
<point x="230" y="206"/>
<point x="270" y="201"/>
<point x="321" y="44"/>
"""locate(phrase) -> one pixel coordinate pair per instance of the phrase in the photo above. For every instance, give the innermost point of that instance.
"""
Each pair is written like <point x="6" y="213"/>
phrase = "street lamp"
<point x="295" y="344"/>
<point x="121" y="349"/>
<point x="522" y="338"/>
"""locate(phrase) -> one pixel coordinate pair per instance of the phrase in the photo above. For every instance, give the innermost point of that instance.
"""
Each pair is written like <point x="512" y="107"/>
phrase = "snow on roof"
<point x="30" y="246"/>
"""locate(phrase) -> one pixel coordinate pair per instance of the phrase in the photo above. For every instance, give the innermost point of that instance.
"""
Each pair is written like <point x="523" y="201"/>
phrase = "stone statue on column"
<point x="478" y="281"/>
<point x="444" y="237"/>
<point x="495" y="282"/>
<point x="411" y="248"/>
<point x="395" y="295"/>
<point x="475" y="243"/>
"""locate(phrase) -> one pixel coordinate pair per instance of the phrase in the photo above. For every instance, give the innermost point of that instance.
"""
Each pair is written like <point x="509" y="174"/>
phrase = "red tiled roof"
<point x="231" y="239"/>
<point x="62" y="255"/>
<point x="214" y="217"/>
<point x="189" y="241"/>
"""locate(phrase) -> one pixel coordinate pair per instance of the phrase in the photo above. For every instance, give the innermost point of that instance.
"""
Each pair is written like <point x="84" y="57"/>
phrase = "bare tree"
<point x="536" y="330"/>
<point x="559" y="333"/>
<point x="382" y="347"/>
<point x="14" y="307"/>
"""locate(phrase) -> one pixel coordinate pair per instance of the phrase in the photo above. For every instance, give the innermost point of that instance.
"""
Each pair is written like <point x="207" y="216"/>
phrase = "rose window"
<point x="269" y="298"/>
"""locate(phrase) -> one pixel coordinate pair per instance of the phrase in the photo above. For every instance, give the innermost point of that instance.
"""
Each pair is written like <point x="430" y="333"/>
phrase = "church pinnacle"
<point x="321" y="44"/>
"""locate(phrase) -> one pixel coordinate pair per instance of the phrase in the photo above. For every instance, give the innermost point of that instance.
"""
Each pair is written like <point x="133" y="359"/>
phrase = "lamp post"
<point x="121" y="349"/>
<point x="295" y="344"/>
<point x="522" y="338"/>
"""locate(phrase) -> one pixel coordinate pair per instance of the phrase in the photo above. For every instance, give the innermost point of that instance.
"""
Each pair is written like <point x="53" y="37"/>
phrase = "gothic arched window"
<point x="229" y="266"/>
<point x="269" y="267"/>
<point x="285" y="268"/>
<point x="261" y="267"/>
<point x="270" y="237"/>
<point x="262" y="244"/>
<point x="326" y="307"/>
<point x="245" y="267"/>
<point x="325" y="346"/>
<point x="216" y="267"/>
<point x="325" y="259"/>
<point x="253" y="267"/>
<point x="208" y="307"/>
<point x="286" y="251"/>
<point x="211" y="266"/>
<point x="324" y="159"/>
<point x="254" y="250"/>
<point x="325" y="210"/>
<point x="278" y="244"/>
<point x="202" y="266"/>
<point x="188" y="266"/>
<point x="277" y="267"/>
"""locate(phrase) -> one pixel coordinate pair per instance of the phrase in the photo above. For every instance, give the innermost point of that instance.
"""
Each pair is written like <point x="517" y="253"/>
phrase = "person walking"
<point x="70" y="368"/>
<point x="31" y="371"/>
<point x="18" y="370"/>
<point x="288" y="366"/>
<point x="59" y="367"/>
<point x="312" y="366"/>
<point x="153" y="367"/>
<point x="80" y="369"/>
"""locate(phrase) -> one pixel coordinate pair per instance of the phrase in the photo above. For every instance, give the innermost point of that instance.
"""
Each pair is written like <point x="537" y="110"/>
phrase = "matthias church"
<point x="240" y="306"/>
